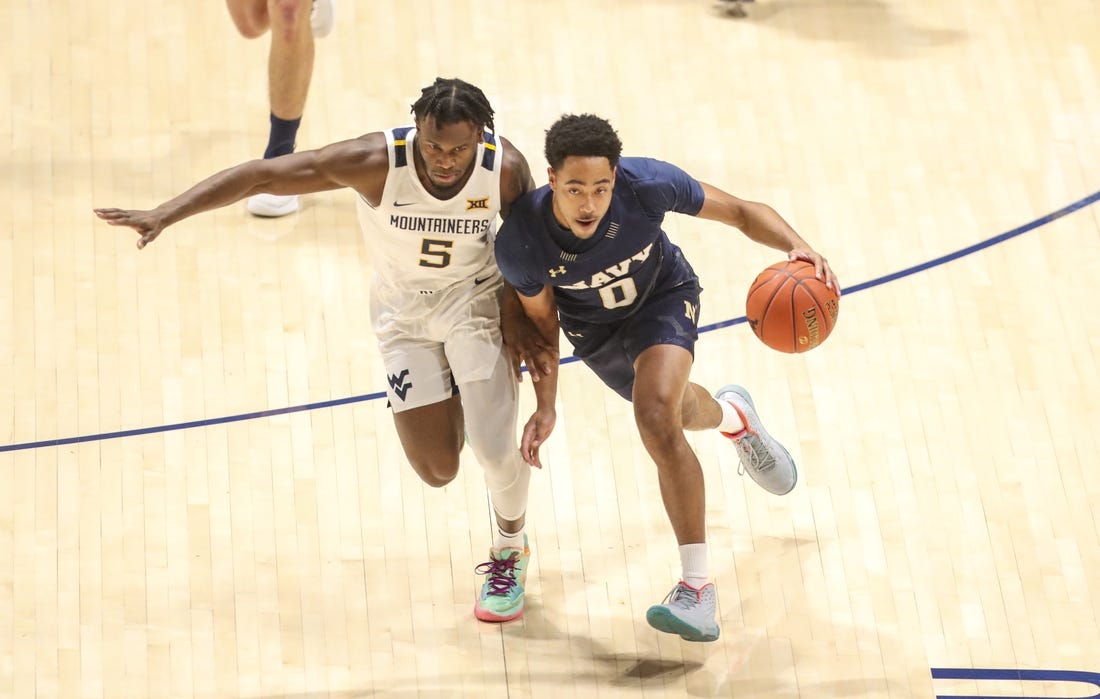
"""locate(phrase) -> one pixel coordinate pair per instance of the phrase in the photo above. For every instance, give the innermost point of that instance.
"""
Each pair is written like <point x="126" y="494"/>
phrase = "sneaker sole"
<point x="662" y="619"/>
<point x="483" y="614"/>
<point x="744" y="393"/>
<point x="273" y="212"/>
<point x="269" y="213"/>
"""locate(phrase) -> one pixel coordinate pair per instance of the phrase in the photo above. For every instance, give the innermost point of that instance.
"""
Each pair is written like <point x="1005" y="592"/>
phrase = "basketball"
<point x="790" y="309"/>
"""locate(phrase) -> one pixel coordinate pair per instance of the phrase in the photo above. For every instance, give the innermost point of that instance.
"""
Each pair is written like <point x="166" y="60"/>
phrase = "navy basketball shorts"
<point x="667" y="317"/>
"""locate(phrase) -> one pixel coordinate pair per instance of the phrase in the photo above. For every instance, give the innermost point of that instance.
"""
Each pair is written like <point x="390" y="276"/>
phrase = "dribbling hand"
<point x="821" y="266"/>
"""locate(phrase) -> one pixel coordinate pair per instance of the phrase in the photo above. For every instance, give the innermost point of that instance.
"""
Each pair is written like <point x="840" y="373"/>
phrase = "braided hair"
<point x="585" y="135"/>
<point x="451" y="101"/>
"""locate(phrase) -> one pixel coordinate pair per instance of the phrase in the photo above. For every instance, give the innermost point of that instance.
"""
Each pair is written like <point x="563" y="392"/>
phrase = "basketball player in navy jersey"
<point x="428" y="197"/>
<point x="587" y="251"/>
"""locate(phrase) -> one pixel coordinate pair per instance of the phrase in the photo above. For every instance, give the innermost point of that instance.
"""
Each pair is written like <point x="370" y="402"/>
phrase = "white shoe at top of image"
<point x="272" y="205"/>
<point x="322" y="17"/>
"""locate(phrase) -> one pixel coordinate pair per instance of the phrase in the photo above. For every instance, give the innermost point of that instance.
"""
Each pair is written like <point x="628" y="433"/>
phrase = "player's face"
<point x="445" y="154"/>
<point x="582" y="193"/>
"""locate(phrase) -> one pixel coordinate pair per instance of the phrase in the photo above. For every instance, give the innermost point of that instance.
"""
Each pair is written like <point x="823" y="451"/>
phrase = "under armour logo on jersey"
<point x="482" y="203"/>
<point x="560" y="269"/>
<point x="570" y="333"/>
<point x="399" y="385"/>
<point x="691" y="310"/>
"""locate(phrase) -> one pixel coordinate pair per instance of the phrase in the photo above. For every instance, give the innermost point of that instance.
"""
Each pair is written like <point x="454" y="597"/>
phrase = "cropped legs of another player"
<point x="293" y="25"/>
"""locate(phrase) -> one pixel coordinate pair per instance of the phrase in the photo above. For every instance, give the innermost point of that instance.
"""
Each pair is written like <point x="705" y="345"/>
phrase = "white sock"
<point x="693" y="559"/>
<point x="507" y="540"/>
<point x="731" y="419"/>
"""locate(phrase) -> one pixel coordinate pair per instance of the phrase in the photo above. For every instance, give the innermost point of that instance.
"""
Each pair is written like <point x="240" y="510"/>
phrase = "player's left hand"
<point x="821" y="265"/>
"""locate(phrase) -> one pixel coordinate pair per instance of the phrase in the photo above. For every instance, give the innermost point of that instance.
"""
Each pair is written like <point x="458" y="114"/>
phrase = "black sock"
<point x="282" y="136"/>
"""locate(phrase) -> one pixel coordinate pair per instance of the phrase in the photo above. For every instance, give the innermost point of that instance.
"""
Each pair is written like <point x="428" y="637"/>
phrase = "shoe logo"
<point x="482" y="281"/>
<point x="399" y="385"/>
<point x="403" y="203"/>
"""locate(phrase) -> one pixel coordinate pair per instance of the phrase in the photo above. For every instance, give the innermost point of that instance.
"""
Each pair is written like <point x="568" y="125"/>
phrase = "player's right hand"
<point x="524" y="343"/>
<point x="148" y="224"/>
<point x="535" y="432"/>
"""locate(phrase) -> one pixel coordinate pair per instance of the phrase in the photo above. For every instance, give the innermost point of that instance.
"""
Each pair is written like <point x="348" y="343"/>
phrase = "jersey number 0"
<point x="622" y="292"/>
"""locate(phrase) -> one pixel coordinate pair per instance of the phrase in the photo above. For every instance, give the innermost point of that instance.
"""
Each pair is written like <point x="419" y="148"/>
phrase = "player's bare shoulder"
<point x="359" y="163"/>
<point x="515" y="176"/>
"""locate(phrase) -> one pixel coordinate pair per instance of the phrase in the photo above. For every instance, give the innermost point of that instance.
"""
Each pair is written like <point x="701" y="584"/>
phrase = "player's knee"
<point x="250" y="24"/>
<point x="658" y="423"/>
<point x="435" y="473"/>
<point x="505" y="473"/>
<point x="494" y="451"/>
<point x="657" y="414"/>
<point x="287" y="15"/>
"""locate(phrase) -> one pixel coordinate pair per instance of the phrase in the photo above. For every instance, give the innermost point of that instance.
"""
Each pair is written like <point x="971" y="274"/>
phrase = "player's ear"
<point x="550" y="177"/>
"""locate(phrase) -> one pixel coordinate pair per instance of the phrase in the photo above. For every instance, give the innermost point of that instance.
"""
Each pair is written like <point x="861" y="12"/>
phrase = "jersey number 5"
<point x="435" y="253"/>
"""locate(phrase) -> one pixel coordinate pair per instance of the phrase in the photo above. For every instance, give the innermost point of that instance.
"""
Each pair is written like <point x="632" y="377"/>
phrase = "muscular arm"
<point x="761" y="223"/>
<point x="543" y="312"/>
<point x="359" y="163"/>
<point x="524" y="341"/>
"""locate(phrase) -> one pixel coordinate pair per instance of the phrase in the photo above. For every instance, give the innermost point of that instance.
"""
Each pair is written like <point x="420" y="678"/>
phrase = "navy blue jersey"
<point x="627" y="259"/>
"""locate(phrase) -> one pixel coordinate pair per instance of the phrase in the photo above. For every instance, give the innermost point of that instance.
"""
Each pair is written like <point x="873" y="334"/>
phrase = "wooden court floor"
<point x="159" y="537"/>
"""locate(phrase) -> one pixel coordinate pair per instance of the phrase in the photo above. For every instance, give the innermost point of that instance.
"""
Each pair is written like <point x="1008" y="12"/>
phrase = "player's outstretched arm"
<point x="338" y="165"/>
<point x="763" y="224"/>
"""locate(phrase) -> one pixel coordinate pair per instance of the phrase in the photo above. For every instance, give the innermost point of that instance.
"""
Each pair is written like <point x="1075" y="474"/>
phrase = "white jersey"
<point x="420" y="244"/>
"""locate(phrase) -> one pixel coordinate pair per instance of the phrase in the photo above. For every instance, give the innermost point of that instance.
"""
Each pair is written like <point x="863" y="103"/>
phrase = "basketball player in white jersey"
<point x="428" y="198"/>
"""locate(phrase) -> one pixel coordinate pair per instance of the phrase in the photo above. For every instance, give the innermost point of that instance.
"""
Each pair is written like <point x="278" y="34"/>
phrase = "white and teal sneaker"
<point x="502" y="595"/>
<point x="688" y="613"/>
<point x="762" y="456"/>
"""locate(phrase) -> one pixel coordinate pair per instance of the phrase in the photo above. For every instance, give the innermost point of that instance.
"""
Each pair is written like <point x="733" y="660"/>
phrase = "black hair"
<point x="452" y="101"/>
<point x="585" y="135"/>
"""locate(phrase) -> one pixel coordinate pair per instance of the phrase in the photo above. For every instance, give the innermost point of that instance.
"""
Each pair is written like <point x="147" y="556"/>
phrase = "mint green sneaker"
<point x="688" y="613"/>
<point x="762" y="456"/>
<point x="502" y="595"/>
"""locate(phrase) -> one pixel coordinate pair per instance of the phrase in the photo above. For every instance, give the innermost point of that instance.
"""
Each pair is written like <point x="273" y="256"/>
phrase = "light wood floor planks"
<point x="948" y="514"/>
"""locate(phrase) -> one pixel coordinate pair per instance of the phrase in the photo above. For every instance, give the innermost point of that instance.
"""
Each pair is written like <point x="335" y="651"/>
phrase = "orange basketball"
<point x="789" y="309"/>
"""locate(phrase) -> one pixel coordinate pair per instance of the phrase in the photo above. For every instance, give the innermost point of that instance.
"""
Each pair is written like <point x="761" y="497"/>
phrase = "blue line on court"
<point x="944" y="259"/>
<point x="998" y="674"/>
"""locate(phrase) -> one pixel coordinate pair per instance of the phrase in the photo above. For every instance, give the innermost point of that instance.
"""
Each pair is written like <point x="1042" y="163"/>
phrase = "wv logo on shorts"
<point x="399" y="385"/>
<point x="482" y="204"/>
